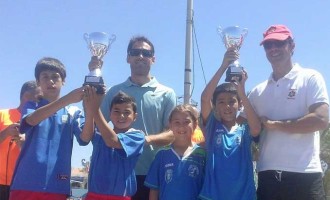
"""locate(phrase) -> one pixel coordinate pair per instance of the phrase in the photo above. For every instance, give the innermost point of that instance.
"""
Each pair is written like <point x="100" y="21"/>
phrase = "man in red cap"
<point x="293" y="105"/>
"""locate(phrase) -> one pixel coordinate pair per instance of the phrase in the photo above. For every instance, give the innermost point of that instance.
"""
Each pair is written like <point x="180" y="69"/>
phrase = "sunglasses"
<point x="137" y="52"/>
<point x="276" y="43"/>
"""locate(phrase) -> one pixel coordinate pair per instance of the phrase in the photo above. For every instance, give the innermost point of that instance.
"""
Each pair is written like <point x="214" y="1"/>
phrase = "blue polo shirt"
<point x="112" y="170"/>
<point x="44" y="164"/>
<point x="155" y="103"/>
<point x="177" y="177"/>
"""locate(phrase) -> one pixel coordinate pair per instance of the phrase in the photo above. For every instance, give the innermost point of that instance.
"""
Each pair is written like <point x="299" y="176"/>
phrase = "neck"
<point x="140" y="80"/>
<point x="183" y="150"/>
<point x="229" y="124"/>
<point x="280" y="70"/>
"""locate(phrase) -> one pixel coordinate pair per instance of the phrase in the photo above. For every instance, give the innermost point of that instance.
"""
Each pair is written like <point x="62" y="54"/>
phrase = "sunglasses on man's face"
<point x="144" y="52"/>
<point x="275" y="43"/>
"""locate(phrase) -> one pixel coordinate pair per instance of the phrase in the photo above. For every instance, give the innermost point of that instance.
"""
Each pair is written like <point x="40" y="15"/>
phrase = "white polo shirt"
<point x="286" y="99"/>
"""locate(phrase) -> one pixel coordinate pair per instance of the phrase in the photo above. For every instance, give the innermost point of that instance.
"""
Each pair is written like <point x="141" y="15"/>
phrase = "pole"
<point x="187" y="70"/>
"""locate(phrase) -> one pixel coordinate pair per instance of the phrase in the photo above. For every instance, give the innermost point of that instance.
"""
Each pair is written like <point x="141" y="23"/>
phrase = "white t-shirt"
<point x="289" y="98"/>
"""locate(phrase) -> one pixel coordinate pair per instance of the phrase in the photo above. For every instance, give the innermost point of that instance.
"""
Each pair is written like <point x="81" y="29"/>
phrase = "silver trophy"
<point x="98" y="44"/>
<point x="233" y="36"/>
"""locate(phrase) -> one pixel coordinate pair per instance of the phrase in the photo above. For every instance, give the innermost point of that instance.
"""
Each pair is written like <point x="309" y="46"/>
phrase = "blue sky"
<point x="31" y="30"/>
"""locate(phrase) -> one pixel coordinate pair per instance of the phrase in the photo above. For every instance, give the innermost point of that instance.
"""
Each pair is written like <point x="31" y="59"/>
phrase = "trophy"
<point x="98" y="44"/>
<point x="233" y="36"/>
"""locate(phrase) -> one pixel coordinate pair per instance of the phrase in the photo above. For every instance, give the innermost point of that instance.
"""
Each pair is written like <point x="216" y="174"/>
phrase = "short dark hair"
<point x="140" y="39"/>
<point x="185" y="108"/>
<point x="28" y="86"/>
<point x="121" y="98"/>
<point x="224" y="88"/>
<point x="52" y="64"/>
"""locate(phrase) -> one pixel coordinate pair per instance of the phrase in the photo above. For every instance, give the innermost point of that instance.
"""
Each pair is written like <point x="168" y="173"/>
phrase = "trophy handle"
<point x="219" y="29"/>
<point x="86" y="37"/>
<point x="112" y="39"/>
<point x="244" y="32"/>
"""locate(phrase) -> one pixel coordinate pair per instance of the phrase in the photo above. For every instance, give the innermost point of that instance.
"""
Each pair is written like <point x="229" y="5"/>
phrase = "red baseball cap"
<point x="276" y="32"/>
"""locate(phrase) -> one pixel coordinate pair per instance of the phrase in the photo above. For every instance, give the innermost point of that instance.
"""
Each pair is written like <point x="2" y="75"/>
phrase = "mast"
<point x="187" y="70"/>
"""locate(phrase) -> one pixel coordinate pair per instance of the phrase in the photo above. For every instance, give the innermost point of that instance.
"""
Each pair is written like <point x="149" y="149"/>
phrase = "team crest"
<point x="168" y="175"/>
<point x="218" y="140"/>
<point x="292" y="94"/>
<point x="193" y="171"/>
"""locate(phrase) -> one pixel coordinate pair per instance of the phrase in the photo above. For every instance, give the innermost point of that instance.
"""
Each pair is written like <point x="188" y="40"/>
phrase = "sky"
<point x="30" y="30"/>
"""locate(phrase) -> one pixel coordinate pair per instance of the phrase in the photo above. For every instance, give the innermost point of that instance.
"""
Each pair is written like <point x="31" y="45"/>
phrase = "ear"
<point x="135" y="116"/>
<point x="127" y="59"/>
<point x="153" y="59"/>
<point x="240" y="105"/>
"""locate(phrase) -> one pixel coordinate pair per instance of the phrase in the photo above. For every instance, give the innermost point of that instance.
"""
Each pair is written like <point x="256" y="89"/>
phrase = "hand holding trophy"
<point x="233" y="36"/>
<point x="98" y="44"/>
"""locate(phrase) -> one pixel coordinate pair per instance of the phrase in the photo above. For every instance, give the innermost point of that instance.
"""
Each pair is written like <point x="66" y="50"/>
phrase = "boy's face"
<point x="122" y="116"/>
<point x="183" y="127"/>
<point x="50" y="83"/>
<point x="227" y="106"/>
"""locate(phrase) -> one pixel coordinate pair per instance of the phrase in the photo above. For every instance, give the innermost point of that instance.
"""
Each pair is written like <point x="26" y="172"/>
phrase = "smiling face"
<point x="122" y="116"/>
<point x="226" y="107"/>
<point x="278" y="51"/>
<point x="183" y="125"/>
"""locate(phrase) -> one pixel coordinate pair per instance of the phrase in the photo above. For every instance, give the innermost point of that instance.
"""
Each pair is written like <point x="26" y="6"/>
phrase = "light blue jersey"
<point x="229" y="168"/>
<point x="176" y="177"/>
<point x="112" y="170"/>
<point x="155" y="103"/>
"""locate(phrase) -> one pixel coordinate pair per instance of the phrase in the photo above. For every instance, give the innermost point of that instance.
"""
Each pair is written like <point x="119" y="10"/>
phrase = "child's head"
<point x="183" y="121"/>
<point x="226" y="101"/>
<point x="49" y="64"/>
<point x="122" y="111"/>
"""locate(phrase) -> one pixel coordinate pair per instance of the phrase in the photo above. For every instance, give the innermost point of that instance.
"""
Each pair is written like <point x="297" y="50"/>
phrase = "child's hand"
<point x="240" y="85"/>
<point x="92" y="100"/>
<point x="230" y="56"/>
<point x="76" y="95"/>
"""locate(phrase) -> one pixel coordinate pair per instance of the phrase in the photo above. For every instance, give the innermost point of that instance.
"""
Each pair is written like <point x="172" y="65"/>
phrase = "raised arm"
<point x="207" y="94"/>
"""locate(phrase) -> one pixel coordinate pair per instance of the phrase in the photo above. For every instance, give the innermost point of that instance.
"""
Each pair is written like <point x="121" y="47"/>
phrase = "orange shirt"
<point x="9" y="151"/>
<point x="198" y="136"/>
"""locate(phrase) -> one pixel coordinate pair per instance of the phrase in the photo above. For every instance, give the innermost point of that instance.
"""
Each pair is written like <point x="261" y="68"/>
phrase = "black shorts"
<point x="282" y="185"/>
<point x="142" y="192"/>
<point x="4" y="192"/>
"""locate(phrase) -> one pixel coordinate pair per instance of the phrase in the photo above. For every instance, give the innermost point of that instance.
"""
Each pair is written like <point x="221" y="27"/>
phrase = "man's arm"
<point x="317" y="119"/>
<point x="10" y="131"/>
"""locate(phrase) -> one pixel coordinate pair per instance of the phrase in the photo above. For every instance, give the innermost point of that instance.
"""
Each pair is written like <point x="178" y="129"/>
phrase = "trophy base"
<point x="234" y="71"/>
<point x="95" y="81"/>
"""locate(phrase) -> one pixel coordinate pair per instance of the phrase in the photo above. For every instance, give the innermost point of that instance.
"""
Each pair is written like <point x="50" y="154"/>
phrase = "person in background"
<point x="177" y="172"/>
<point x="293" y="105"/>
<point x="154" y="105"/>
<point x="10" y="137"/>
<point x="43" y="169"/>
<point x="229" y="167"/>
<point x="115" y="150"/>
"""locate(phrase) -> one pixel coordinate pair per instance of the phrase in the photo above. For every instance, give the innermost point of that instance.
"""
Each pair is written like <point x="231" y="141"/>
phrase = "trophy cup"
<point x="98" y="44"/>
<point x="233" y="36"/>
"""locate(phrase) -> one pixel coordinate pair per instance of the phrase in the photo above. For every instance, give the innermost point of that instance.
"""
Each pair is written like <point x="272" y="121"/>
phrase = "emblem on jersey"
<point x="238" y="140"/>
<point x="292" y="94"/>
<point x="65" y="118"/>
<point x="168" y="175"/>
<point x="193" y="171"/>
<point x="218" y="139"/>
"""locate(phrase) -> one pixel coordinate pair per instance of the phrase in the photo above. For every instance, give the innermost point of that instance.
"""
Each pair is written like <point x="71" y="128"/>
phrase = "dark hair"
<point x="28" y="87"/>
<point x="51" y="64"/>
<point x="185" y="108"/>
<point x="121" y="98"/>
<point x="224" y="88"/>
<point x="140" y="39"/>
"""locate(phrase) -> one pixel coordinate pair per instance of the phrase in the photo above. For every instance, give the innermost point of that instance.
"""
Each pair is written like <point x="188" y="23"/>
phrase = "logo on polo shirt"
<point x="168" y="175"/>
<point x="65" y="119"/>
<point x="292" y="94"/>
<point x="193" y="171"/>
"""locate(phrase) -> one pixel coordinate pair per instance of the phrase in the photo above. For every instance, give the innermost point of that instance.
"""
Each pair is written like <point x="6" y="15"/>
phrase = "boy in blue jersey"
<point x="229" y="168"/>
<point x="44" y="166"/>
<point x="115" y="150"/>
<point x="177" y="171"/>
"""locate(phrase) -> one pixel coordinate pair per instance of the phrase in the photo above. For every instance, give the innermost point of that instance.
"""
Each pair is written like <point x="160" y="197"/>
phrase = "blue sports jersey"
<point x="44" y="164"/>
<point x="176" y="177"/>
<point x="229" y="168"/>
<point x="112" y="170"/>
